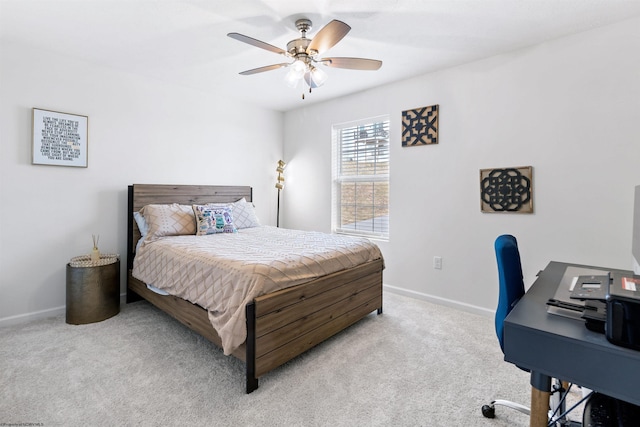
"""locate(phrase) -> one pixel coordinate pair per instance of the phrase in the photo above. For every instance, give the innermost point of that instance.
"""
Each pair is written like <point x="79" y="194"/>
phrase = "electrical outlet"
<point x="437" y="262"/>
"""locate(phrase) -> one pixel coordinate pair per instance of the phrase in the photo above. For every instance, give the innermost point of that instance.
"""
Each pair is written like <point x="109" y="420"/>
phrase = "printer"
<point x="622" y="325"/>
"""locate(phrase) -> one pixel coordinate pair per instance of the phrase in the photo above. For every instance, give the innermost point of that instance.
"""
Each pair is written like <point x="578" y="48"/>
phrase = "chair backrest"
<point x="510" y="279"/>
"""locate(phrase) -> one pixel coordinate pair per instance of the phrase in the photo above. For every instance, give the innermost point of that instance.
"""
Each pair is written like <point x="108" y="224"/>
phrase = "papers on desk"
<point x="630" y="284"/>
<point x="562" y="304"/>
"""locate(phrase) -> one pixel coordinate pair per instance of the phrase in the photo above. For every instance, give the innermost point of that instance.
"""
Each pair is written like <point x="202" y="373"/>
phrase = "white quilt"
<point x="224" y="272"/>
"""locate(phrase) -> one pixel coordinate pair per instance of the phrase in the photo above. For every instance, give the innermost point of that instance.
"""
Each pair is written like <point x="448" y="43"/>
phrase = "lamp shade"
<point x="315" y="77"/>
<point x="296" y="73"/>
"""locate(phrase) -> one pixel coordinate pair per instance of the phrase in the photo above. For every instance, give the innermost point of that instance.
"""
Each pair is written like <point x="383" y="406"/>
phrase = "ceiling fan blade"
<point x="328" y="36"/>
<point x="257" y="43"/>
<point x="265" y="68"/>
<point x="352" y="63"/>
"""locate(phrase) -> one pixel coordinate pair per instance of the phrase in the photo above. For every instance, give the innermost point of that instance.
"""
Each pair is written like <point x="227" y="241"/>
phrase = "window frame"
<point x="339" y="178"/>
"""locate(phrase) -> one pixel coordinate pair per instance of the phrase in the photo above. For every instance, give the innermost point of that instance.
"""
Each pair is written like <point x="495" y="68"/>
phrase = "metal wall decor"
<point x="507" y="190"/>
<point x="420" y="126"/>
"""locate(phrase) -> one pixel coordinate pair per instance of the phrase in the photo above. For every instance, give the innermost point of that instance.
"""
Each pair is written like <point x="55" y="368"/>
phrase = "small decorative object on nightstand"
<point x="93" y="288"/>
<point x="95" y="252"/>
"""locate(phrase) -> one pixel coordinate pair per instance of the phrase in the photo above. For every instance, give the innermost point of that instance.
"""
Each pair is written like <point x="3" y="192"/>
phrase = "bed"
<point x="280" y="325"/>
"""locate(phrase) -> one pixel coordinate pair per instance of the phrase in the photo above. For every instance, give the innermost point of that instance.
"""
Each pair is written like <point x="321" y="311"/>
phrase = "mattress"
<point x="224" y="272"/>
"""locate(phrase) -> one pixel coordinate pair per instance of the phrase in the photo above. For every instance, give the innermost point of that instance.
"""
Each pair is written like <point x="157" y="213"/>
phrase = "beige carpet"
<point x="418" y="364"/>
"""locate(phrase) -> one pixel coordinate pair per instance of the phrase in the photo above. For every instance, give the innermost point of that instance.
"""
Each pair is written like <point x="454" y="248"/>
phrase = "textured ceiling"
<point x="185" y="42"/>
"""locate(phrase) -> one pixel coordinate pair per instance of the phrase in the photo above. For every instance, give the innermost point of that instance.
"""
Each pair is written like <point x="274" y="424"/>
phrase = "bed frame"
<point x="280" y="325"/>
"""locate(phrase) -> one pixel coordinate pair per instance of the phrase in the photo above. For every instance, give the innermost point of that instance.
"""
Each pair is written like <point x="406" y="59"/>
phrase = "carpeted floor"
<point x="418" y="364"/>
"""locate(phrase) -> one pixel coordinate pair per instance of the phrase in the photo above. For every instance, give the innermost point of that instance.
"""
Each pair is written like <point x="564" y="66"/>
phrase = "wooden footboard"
<point x="286" y="323"/>
<point x="280" y="325"/>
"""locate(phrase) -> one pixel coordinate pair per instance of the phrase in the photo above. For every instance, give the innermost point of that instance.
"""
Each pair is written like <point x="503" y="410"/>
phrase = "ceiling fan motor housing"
<point x="303" y="25"/>
<point x="298" y="46"/>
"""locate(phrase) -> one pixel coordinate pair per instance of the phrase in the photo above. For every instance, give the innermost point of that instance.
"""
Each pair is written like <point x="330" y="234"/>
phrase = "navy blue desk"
<point x="553" y="346"/>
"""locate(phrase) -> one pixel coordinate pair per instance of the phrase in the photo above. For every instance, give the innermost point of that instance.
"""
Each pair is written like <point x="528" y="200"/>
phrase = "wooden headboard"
<point x="145" y="194"/>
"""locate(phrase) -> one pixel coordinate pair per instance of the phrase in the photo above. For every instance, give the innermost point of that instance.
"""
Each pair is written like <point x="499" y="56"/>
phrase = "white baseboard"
<point x="34" y="315"/>
<point x="439" y="300"/>
<point x="21" y="318"/>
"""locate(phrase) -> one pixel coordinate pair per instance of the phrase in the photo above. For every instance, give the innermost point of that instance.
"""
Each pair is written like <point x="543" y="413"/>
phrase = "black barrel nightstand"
<point x="93" y="289"/>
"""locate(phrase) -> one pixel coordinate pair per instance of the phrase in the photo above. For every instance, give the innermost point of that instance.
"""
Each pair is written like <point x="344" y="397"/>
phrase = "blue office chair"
<point x="511" y="290"/>
<point x="511" y="283"/>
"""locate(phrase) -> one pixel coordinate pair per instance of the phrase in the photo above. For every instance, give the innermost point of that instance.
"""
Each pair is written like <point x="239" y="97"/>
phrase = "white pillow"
<point x="244" y="214"/>
<point x="142" y="224"/>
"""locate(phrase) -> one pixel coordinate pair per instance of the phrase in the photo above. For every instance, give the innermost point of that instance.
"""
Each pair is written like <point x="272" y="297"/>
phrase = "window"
<point x="360" y="193"/>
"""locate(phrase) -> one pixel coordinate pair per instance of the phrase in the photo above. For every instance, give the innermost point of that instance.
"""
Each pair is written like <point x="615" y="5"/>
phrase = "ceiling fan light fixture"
<point x="299" y="68"/>
<point x="318" y="76"/>
<point x="291" y="79"/>
<point x="296" y="73"/>
<point x="315" y="77"/>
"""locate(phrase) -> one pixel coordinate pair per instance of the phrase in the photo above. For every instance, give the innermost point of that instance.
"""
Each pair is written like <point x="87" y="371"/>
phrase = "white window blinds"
<point x="360" y="192"/>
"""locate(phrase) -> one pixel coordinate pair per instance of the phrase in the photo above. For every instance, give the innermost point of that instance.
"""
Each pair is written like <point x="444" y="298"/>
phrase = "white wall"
<point x="570" y="108"/>
<point x="140" y="131"/>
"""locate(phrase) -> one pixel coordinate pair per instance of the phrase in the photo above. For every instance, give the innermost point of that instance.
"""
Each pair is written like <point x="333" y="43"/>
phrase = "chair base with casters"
<point x="489" y="411"/>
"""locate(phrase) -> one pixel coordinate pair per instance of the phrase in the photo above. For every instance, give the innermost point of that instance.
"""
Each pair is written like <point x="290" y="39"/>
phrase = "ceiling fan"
<point x="304" y="54"/>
